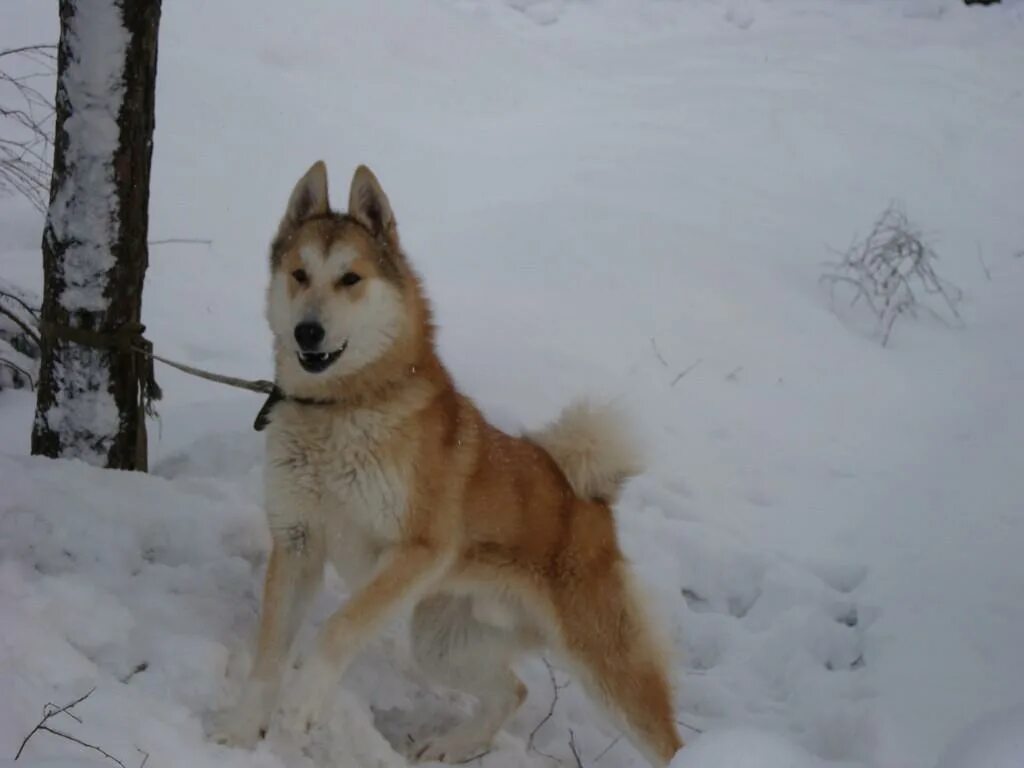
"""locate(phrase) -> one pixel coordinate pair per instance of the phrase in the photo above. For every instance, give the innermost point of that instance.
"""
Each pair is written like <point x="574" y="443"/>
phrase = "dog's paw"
<point x="236" y="727"/>
<point x="459" y="745"/>
<point x="305" y="700"/>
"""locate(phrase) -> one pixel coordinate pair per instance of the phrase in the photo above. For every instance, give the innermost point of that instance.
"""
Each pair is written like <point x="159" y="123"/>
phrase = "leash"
<point x="129" y="338"/>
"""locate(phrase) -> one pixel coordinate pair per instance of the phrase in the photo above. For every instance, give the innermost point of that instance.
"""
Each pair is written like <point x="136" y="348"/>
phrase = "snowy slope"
<point x="601" y="195"/>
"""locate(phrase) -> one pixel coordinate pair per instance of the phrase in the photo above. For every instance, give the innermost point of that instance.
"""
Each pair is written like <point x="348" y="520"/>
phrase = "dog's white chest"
<point x="343" y="471"/>
<point x="365" y="480"/>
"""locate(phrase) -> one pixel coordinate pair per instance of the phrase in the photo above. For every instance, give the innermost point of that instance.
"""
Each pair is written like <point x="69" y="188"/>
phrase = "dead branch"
<point x="686" y="370"/>
<point x="893" y="271"/>
<point x="689" y="727"/>
<point x="481" y="756"/>
<point x="26" y="125"/>
<point x="575" y="751"/>
<point x="661" y="359"/>
<point x="50" y="711"/>
<point x="81" y="743"/>
<point x="657" y="353"/>
<point x="606" y="750"/>
<point x="555" y="688"/>
<point x="984" y="266"/>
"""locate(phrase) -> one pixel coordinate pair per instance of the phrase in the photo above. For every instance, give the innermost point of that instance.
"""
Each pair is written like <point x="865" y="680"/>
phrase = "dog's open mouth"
<point x="318" y="362"/>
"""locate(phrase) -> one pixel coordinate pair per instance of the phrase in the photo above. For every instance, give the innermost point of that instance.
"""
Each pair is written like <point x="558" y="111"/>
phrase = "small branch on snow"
<point x="657" y="353"/>
<point x="893" y="271"/>
<point x="140" y="667"/>
<point x="52" y="710"/>
<point x="555" y="688"/>
<point x="81" y="743"/>
<point x="661" y="359"/>
<point x="145" y="757"/>
<point x="685" y="371"/>
<point x="474" y="758"/>
<point x="689" y="727"/>
<point x="575" y="751"/>
<point x="734" y="374"/>
<point x="608" y="749"/>
<point x="984" y="266"/>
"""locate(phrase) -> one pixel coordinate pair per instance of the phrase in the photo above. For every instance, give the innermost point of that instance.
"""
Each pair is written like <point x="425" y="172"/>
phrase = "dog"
<point x="497" y="545"/>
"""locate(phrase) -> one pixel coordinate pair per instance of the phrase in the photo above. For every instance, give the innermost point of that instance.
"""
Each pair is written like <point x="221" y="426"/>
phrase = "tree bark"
<point x="94" y="243"/>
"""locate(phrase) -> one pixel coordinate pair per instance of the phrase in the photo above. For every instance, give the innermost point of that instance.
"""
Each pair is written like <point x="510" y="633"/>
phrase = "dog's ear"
<point x="368" y="204"/>
<point x="309" y="198"/>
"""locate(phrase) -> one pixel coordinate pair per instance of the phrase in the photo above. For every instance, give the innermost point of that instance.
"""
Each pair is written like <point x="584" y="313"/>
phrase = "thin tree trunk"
<point x="94" y="243"/>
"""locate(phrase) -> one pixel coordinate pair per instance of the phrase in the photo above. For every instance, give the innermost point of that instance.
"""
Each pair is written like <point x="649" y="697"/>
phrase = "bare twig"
<point x="661" y="359"/>
<point x="686" y="370"/>
<point x="50" y="711"/>
<point x="575" y="751"/>
<point x="81" y="743"/>
<point x="608" y="749"/>
<point x="984" y="266"/>
<point x="481" y="756"/>
<point x="555" y="688"/>
<point x="893" y="271"/>
<point x="689" y="727"/>
<point x="47" y="51"/>
<point x="26" y="125"/>
<point x="734" y="374"/>
<point x="145" y="757"/>
<point x="657" y="353"/>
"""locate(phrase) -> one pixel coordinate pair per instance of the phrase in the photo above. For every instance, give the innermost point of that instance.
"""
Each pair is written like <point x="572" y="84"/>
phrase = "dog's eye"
<point x="300" y="276"/>
<point x="349" y="278"/>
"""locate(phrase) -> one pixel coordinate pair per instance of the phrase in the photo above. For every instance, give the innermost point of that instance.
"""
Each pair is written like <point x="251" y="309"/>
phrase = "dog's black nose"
<point x="309" y="335"/>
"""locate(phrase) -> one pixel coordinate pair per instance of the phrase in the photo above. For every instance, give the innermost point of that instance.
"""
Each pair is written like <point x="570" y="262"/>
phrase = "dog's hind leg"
<point x="603" y="631"/>
<point x="294" y="573"/>
<point x="454" y="648"/>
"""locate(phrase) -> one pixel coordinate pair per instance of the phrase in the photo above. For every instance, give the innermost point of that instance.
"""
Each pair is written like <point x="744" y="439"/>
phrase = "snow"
<point x="601" y="196"/>
<point x="994" y="741"/>
<point x="743" y="748"/>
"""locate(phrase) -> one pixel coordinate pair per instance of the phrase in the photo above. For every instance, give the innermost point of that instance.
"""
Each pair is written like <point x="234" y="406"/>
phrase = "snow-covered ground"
<point x="602" y="195"/>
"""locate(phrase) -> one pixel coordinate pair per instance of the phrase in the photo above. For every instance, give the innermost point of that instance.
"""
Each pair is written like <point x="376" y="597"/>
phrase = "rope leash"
<point x="253" y="385"/>
<point x="129" y="339"/>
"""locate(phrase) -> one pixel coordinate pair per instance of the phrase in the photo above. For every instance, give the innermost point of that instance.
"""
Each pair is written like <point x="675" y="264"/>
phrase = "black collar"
<point x="275" y="397"/>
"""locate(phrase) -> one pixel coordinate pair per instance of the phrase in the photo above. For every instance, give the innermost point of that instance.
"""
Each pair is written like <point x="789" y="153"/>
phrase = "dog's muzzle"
<point x="318" y="362"/>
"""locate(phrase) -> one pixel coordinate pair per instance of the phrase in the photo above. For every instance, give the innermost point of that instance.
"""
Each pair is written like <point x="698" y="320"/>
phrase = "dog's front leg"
<point x="407" y="573"/>
<point x="294" y="573"/>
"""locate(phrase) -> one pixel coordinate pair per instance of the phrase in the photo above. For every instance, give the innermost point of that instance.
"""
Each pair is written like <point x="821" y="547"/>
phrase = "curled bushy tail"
<point x="593" y="446"/>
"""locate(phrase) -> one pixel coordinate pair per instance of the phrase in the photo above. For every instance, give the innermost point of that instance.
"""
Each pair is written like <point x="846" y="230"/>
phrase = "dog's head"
<point x="339" y="296"/>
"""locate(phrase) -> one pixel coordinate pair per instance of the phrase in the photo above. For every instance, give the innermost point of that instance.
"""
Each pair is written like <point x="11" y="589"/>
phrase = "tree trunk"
<point x="94" y="244"/>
